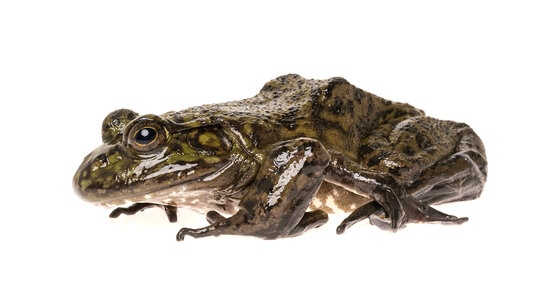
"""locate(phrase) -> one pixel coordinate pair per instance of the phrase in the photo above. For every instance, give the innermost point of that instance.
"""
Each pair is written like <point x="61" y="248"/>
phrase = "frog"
<point x="275" y="165"/>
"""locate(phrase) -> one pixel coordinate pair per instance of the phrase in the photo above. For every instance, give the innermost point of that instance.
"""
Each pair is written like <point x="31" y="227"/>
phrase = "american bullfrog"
<point x="274" y="165"/>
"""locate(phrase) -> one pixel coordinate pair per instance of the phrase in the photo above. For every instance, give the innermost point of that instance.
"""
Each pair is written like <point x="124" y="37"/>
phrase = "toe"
<point x="115" y="213"/>
<point x="181" y="234"/>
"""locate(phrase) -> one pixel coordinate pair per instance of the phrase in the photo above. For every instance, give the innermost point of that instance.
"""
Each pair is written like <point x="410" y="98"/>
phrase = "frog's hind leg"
<point x="275" y="204"/>
<point x="458" y="177"/>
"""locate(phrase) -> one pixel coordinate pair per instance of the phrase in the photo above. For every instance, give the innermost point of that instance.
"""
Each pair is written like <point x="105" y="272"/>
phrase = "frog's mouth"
<point x="169" y="196"/>
<point x="200" y="193"/>
<point x="201" y="200"/>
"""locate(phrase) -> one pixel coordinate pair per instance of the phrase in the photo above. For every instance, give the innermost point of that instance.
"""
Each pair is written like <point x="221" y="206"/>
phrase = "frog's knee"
<point x="474" y="161"/>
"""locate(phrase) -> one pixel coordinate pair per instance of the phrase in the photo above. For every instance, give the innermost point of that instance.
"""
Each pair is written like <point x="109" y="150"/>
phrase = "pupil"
<point x="145" y="136"/>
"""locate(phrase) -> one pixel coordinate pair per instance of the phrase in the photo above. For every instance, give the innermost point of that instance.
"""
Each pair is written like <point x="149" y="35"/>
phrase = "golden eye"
<point x="145" y="136"/>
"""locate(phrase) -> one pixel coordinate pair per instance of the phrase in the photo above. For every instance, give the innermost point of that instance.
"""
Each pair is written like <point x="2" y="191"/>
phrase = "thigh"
<point x="421" y="147"/>
<point x="459" y="177"/>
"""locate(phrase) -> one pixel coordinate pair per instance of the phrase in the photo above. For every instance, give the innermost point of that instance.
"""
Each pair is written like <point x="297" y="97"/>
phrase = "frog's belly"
<point x="334" y="199"/>
<point x="329" y="198"/>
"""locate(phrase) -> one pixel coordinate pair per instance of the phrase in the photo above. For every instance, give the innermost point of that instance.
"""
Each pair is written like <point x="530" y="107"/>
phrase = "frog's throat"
<point x="200" y="200"/>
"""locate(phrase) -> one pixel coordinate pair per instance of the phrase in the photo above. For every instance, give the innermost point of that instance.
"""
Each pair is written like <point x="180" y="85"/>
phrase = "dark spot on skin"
<point x="395" y="171"/>
<point x="374" y="161"/>
<point x="422" y="141"/>
<point x="267" y="87"/>
<point x="288" y="119"/>
<point x="359" y="94"/>
<point x="350" y="107"/>
<point x="327" y="91"/>
<point x="378" y="158"/>
<point x="410" y="129"/>
<point x="179" y="119"/>
<point x="337" y="106"/>
<point x="398" y="113"/>
<point x="398" y="171"/>
<point x="364" y="150"/>
<point x="408" y="150"/>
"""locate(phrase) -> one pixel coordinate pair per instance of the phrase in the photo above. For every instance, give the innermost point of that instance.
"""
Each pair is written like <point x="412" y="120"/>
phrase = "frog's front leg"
<point x="276" y="202"/>
<point x="170" y="211"/>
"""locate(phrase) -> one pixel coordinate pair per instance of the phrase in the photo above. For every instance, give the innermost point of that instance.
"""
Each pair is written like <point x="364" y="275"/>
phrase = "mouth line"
<point x="175" y="193"/>
<point x="163" y="196"/>
<point x="140" y="197"/>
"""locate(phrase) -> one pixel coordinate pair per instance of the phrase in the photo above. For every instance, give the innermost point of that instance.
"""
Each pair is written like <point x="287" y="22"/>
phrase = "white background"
<point x="64" y="65"/>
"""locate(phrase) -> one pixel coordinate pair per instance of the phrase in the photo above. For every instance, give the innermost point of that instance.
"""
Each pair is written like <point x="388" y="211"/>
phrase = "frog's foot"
<point x="171" y="211"/>
<point x="382" y="222"/>
<point x="414" y="211"/>
<point x="218" y="225"/>
<point x="358" y="215"/>
<point x="276" y="202"/>
<point x="399" y="206"/>
<point x="310" y="220"/>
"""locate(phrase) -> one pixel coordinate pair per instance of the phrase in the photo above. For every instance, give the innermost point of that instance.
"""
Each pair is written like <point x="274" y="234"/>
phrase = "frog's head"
<point x="153" y="159"/>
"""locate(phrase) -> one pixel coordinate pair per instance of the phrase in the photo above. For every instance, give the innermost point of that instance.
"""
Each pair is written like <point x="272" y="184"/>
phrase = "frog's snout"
<point x="76" y="185"/>
<point x="89" y="181"/>
<point x="81" y="182"/>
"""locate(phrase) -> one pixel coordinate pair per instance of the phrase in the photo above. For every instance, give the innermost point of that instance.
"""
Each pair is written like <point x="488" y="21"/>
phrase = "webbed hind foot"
<point x="418" y="213"/>
<point x="378" y="217"/>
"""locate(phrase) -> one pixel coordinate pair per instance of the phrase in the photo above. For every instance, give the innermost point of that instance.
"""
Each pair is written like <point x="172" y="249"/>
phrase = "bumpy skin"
<point x="278" y="162"/>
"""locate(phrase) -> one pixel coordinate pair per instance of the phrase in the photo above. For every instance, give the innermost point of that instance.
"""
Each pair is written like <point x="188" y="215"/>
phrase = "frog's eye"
<point x="146" y="136"/>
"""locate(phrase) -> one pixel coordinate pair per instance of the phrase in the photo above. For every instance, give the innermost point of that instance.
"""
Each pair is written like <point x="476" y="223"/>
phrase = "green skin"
<point x="278" y="162"/>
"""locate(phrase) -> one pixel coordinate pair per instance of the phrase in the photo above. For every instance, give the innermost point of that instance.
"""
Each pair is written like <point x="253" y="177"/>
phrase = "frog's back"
<point x="332" y="111"/>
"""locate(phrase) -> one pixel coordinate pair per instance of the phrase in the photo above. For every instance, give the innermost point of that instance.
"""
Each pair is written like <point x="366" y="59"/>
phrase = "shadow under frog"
<point x="274" y="165"/>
